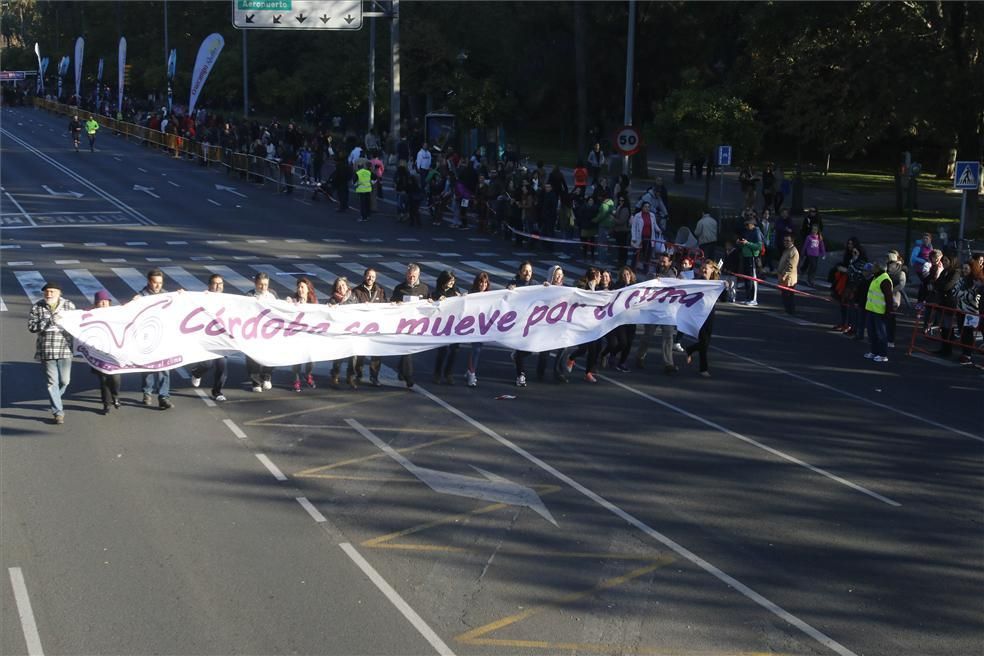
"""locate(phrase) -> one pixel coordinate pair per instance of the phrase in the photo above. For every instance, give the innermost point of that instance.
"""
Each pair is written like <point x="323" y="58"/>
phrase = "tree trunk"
<point x="580" y="77"/>
<point x="707" y="181"/>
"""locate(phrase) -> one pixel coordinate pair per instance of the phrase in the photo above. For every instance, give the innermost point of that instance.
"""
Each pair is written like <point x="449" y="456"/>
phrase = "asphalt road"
<point x="801" y="501"/>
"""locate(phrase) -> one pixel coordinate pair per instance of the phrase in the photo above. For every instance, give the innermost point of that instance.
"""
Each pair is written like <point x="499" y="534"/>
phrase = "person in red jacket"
<point x="580" y="177"/>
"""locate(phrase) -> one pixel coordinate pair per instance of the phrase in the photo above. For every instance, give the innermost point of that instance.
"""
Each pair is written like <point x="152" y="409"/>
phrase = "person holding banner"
<point x="524" y="278"/>
<point x="409" y="291"/>
<point x="480" y="284"/>
<point x="555" y="276"/>
<point x="259" y="375"/>
<point x="708" y="271"/>
<point x="216" y="285"/>
<point x="369" y="291"/>
<point x="109" y="384"/>
<point x="159" y="381"/>
<point x="54" y="345"/>
<point x="304" y="294"/>
<point x="341" y="294"/>
<point x="445" y="355"/>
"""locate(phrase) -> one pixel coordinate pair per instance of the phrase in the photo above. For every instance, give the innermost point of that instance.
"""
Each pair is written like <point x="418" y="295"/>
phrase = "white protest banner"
<point x="208" y="53"/>
<point x="121" y="72"/>
<point x="79" y="49"/>
<point x="165" y="331"/>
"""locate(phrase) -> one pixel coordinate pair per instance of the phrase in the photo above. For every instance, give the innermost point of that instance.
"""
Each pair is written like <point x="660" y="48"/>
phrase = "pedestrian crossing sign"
<point x="967" y="175"/>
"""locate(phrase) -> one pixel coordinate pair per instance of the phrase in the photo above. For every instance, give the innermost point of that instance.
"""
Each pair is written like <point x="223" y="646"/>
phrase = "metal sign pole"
<point x="629" y="75"/>
<point x="245" y="77"/>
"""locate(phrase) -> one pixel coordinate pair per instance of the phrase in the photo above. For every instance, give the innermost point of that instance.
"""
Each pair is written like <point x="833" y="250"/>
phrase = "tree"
<point x="694" y="122"/>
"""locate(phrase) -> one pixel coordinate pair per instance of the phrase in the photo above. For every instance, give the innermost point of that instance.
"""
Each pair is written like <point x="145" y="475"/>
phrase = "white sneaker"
<point x="751" y="303"/>
<point x="219" y="397"/>
<point x="881" y="358"/>
<point x="678" y="348"/>
<point x="257" y="388"/>
<point x="521" y="380"/>
<point x="869" y="355"/>
<point x="195" y="381"/>
<point x="471" y="379"/>
<point x="267" y="384"/>
<point x="891" y="345"/>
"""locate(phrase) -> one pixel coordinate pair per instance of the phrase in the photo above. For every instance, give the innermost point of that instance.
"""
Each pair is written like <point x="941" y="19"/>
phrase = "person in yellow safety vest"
<point x="90" y="129"/>
<point x="879" y="304"/>
<point x="363" y="187"/>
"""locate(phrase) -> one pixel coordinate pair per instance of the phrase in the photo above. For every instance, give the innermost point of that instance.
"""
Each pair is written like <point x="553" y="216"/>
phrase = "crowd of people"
<point x="54" y="346"/>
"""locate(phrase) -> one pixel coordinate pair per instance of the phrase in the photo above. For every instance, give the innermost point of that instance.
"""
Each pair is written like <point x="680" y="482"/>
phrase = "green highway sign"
<point x="297" y="14"/>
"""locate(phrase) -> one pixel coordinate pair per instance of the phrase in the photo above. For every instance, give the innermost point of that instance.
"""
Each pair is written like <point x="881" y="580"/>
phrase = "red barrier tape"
<point x="557" y="240"/>
<point x="778" y="286"/>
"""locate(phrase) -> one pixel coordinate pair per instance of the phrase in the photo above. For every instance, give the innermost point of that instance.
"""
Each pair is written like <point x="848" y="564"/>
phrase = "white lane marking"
<point x="173" y="184"/>
<point x="241" y="283"/>
<point x="205" y="397"/>
<point x="296" y="241"/>
<point x="66" y="261"/>
<point x="370" y="255"/>
<point x="94" y="243"/>
<point x="442" y="239"/>
<point x="112" y="260"/>
<point x="277" y="474"/>
<point x="18" y="206"/>
<point x="325" y="256"/>
<point x="407" y="239"/>
<point x="136" y="243"/>
<point x="213" y="202"/>
<point x="319" y="272"/>
<point x="52" y="245"/>
<point x="87" y="283"/>
<point x="7" y="246"/>
<point x="856" y="397"/>
<point x="31" y="282"/>
<point x="289" y="256"/>
<point x="141" y="170"/>
<point x="133" y="278"/>
<point x="256" y="241"/>
<point x="449" y="254"/>
<point x="217" y="241"/>
<point x="748" y="440"/>
<point x="185" y="279"/>
<point x="202" y="258"/>
<point x="235" y="429"/>
<point x="139" y="217"/>
<point x="3" y="306"/>
<point x="24" y="263"/>
<point x="25" y="612"/>
<point x="176" y="243"/>
<point x="311" y="510"/>
<point x="719" y="574"/>
<point x="285" y="279"/>
<point x="370" y="240"/>
<point x="394" y="597"/>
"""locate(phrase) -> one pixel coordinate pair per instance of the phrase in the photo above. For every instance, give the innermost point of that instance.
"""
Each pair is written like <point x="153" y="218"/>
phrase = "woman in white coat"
<point x="646" y="237"/>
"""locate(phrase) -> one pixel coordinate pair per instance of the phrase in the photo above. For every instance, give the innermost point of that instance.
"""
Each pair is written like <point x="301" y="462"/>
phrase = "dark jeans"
<point x="364" y="203"/>
<point x="444" y="360"/>
<point x="877" y="333"/>
<point x="406" y="368"/>
<point x="200" y="369"/>
<point x="109" y="386"/>
<point x="703" y="342"/>
<point x="788" y="301"/>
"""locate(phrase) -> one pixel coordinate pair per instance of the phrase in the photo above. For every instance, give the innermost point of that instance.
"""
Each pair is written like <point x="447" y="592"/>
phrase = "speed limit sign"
<point x="628" y="140"/>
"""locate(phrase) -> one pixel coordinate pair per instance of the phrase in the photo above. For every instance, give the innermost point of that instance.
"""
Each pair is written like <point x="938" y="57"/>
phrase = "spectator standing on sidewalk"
<point x="787" y="273"/>
<point x="423" y="164"/>
<point x="156" y="381"/>
<point x="814" y="250"/>
<point x="750" y="242"/>
<point x="878" y="304"/>
<point x="597" y="162"/>
<point x="363" y="188"/>
<point x="216" y="285"/>
<point x="968" y="294"/>
<point x="54" y="346"/>
<point x="896" y="272"/>
<point x="706" y="232"/>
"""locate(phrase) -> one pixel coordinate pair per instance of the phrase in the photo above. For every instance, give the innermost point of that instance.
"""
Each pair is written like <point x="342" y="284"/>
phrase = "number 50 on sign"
<point x="628" y="140"/>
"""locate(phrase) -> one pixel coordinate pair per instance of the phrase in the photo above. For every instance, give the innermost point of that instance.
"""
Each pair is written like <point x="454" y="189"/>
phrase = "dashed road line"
<point x="234" y="428"/>
<point x="277" y="474"/>
<point x="28" y="624"/>
<point x="311" y="510"/>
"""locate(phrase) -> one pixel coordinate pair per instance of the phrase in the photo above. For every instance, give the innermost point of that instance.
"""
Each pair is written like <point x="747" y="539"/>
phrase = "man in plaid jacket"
<point x="54" y="346"/>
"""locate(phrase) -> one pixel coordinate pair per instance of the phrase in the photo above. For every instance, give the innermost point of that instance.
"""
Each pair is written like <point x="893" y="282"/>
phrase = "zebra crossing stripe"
<point x="283" y="278"/>
<point x="327" y="276"/>
<point x="3" y="306"/>
<point x="360" y="270"/>
<point x="489" y="269"/>
<point x="87" y="284"/>
<point x="185" y="279"/>
<point x="131" y="277"/>
<point x="31" y="282"/>
<point x="241" y="283"/>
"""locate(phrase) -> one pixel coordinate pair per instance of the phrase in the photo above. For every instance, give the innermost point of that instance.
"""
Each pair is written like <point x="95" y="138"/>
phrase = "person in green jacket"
<point x="604" y="220"/>
<point x="90" y="129"/>
<point x="363" y="187"/>
<point x="750" y="240"/>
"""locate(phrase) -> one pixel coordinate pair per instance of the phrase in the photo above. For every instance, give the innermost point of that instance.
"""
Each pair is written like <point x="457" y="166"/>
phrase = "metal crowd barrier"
<point x="251" y="167"/>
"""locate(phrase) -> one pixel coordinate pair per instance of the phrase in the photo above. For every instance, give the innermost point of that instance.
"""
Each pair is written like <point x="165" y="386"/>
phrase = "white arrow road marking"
<point x="231" y="190"/>
<point x="51" y="191"/>
<point x="491" y="488"/>
<point x="147" y="190"/>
